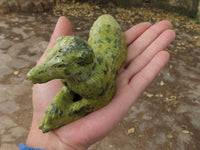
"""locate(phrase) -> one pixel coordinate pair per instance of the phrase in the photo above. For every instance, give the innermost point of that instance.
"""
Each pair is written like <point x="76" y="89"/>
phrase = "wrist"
<point x="37" y="139"/>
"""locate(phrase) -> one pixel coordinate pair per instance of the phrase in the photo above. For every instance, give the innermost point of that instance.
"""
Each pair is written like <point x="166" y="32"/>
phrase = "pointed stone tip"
<point x="35" y="77"/>
<point x="31" y="73"/>
<point x="30" y="76"/>
<point x="42" y="127"/>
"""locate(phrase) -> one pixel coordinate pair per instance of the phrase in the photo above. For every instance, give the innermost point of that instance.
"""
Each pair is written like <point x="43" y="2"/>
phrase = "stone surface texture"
<point x="166" y="116"/>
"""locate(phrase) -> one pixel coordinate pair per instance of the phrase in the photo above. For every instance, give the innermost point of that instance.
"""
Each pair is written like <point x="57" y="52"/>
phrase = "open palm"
<point x="145" y="58"/>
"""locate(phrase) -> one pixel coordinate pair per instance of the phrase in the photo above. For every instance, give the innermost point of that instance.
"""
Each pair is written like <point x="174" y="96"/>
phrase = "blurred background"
<point x="167" y="114"/>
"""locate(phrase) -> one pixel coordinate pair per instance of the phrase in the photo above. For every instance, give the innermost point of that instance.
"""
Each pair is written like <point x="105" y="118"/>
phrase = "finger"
<point x="133" y="33"/>
<point x="141" y="80"/>
<point x="141" y="43"/>
<point x="63" y="27"/>
<point x="145" y="57"/>
<point x="138" y="83"/>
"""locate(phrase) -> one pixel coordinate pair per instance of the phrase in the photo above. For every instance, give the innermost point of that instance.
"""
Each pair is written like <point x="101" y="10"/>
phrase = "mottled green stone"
<point x="87" y="69"/>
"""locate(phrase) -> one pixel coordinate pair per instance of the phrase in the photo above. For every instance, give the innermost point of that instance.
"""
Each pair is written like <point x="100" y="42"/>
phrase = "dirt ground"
<point x="165" y="117"/>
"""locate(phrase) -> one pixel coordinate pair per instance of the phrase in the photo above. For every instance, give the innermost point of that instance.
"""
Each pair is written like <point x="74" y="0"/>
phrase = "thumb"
<point x="63" y="27"/>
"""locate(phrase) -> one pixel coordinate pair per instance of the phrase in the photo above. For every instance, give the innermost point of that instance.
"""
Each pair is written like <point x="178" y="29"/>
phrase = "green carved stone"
<point x="87" y="69"/>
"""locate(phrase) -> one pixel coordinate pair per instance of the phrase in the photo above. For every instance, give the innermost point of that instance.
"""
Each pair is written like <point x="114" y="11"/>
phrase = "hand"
<point x="145" y="58"/>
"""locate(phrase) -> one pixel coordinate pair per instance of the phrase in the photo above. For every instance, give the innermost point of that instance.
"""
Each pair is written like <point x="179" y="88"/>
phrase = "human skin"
<point x="145" y="58"/>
